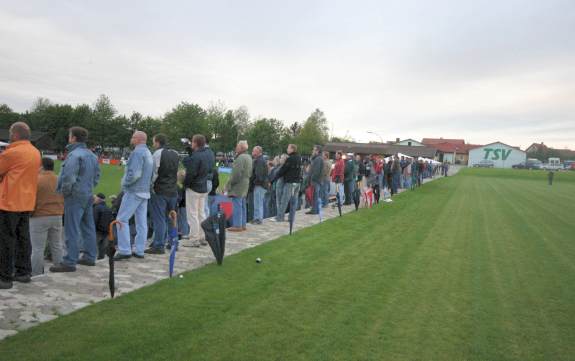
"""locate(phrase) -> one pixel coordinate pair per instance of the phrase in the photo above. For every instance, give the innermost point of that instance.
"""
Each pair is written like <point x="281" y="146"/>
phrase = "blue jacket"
<point x="199" y="166"/>
<point x="139" y="170"/>
<point x="80" y="172"/>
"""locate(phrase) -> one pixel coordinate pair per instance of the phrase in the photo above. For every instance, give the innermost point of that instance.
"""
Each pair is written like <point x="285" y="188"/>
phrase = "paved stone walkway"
<point x="53" y="294"/>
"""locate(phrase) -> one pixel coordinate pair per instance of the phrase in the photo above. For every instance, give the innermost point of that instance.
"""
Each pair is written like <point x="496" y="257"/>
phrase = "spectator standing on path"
<point x="210" y="180"/>
<point x="136" y="185"/>
<point x="164" y="197"/>
<point x="258" y="183"/>
<point x="199" y="165"/>
<point x="316" y="178"/>
<point x="238" y="186"/>
<point x="337" y="175"/>
<point x="446" y="169"/>
<point x="361" y="172"/>
<point x="46" y="220"/>
<point x="79" y="175"/>
<point x="387" y="172"/>
<point x="19" y="165"/>
<point x="273" y="168"/>
<point x="326" y="183"/>
<point x="414" y="175"/>
<point x="102" y="219"/>
<point x="291" y="173"/>
<point x="407" y="174"/>
<point x="396" y="175"/>
<point x="349" y="179"/>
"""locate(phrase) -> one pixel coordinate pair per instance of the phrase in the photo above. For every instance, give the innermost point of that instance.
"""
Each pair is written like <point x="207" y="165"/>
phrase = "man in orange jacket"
<point x="19" y="165"/>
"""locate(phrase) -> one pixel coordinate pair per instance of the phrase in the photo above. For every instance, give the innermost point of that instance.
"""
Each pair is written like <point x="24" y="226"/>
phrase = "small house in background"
<point x="40" y="140"/>
<point x="454" y="151"/>
<point x="410" y="143"/>
<point x="380" y="149"/>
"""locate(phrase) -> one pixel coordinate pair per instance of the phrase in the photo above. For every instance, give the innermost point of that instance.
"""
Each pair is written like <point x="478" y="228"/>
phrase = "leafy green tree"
<point x="224" y="129"/>
<point x="267" y="133"/>
<point x="101" y="122"/>
<point x="242" y="120"/>
<point x="7" y="116"/>
<point x="314" y="131"/>
<point x="184" y="121"/>
<point x="5" y="109"/>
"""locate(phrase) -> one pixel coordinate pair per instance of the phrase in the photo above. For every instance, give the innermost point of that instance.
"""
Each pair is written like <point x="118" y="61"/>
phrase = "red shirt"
<point x="337" y="171"/>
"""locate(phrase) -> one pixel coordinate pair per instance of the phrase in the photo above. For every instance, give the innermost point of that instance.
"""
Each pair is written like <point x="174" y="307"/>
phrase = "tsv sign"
<point x="496" y="154"/>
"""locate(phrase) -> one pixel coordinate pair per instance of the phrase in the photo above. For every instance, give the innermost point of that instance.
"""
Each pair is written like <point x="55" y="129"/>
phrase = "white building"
<point x="410" y="142"/>
<point x="499" y="154"/>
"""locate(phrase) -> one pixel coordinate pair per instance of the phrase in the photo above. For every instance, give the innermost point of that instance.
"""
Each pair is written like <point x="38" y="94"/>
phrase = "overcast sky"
<point x="479" y="70"/>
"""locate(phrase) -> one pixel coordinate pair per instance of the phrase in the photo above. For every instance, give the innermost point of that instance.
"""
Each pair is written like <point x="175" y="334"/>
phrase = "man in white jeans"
<point x="198" y="167"/>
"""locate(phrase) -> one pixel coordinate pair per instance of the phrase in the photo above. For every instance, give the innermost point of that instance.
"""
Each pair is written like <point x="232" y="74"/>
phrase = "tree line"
<point x="222" y="127"/>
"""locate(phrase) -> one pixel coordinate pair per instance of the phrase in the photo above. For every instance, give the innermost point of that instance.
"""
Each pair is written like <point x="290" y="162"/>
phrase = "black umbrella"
<point x="356" y="196"/>
<point x="111" y="253"/>
<point x="215" y="229"/>
<point x="338" y="198"/>
<point x="376" y="193"/>
<point x="292" y="209"/>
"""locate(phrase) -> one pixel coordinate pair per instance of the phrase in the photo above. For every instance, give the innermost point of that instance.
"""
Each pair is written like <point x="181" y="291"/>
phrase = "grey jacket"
<point x="239" y="182"/>
<point x="316" y="171"/>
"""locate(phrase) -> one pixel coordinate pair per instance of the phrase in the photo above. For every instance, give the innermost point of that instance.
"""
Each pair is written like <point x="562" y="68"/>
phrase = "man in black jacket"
<point x="259" y="183"/>
<point x="316" y="177"/>
<point x="198" y="167"/>
<point x="291" y="172"/>
<point x="102" y="219"/>
<point x="164" y="191"/>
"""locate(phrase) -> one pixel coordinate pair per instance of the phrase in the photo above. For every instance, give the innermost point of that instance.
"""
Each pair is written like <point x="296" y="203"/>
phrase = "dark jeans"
<point x="102" y="241"/>
<point x="160" y="207"/>
<point x="15" y="246"/>
<point x="325" y="185"/>
<point x="395" y="183"/>
<point x="348" y="187"/>
<point x="316" y="197"/>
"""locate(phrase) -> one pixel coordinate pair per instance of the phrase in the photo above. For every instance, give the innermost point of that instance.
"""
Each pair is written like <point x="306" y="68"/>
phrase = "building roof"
<point x="455" y="148"/>
<point x="536" y="147"/>
<point x="565" y="153"/>
<point x="434" y="141"/>
<point x="409" y="140"/>
<point x="381" y="148"/>
<point x="510" y="146"/>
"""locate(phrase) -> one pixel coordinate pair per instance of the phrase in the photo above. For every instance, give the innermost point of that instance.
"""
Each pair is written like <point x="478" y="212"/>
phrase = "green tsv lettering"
<point x="487" y="151"/>
<point x="496" y="154"/>
<point x="505" y="153"/>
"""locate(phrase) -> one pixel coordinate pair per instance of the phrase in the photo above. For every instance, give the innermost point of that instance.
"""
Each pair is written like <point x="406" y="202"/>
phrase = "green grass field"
<point x="479" y="266"/>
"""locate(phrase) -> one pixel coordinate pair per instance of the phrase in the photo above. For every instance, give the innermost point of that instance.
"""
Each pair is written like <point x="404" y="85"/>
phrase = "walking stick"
<point x="111" y="253"/>
<point x="174" y="240"/>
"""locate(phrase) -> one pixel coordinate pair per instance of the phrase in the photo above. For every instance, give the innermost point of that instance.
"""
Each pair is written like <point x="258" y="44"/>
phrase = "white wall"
<point x="502" y="155"/>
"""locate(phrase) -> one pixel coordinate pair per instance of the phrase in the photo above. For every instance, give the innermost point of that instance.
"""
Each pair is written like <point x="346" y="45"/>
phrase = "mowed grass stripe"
<point x="450" y="271"/>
